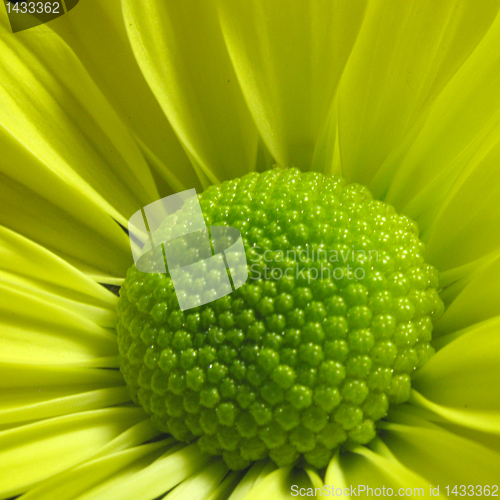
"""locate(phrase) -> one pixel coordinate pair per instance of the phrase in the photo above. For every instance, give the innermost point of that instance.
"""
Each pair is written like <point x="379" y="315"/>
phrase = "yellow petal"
<point x="200" y="485"/>
<point x="278" y="484"/>
<point x="446" y="174"/>
<point x="150" y="478"/>
<point x="22" y="257"/>
<point x="440" y="456"/>
<point x="482" y="420"/>
<point x="71" y="484"/>
<point x="405" y="54"/>
<point x="33" y="452"/>
<point x="378" y="470"/>
<point x="41" y="206"/>
<point x="257" y="472"/>
<point x="37" y="331"/>
<point x="54" y="109"/>
<point x="491" y="441"/>
<point x="28" y="267"/>
<point x="186" y="64"/>
<point x="124" y="85"/>
<point x="465" y="229"/>
<point x="334" y="473"/>
<point x="102" y="316"/>
<point x="314" y="477"/>
<point x="24" y="376"/>
<point x="21" y="405"/>
<point x="475" y="299"/>
<point x="228" y="485"/>
<point x="464" y="374"/>
<point x="289" y="61"/>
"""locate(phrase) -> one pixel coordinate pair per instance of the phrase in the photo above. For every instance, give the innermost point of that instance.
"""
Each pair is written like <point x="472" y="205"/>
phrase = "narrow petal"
<point x="314" y="477"/>
<point x="186" y="64"/>
<point x="440" y="456"/>
<point x="31" y="453"/>
<point x="21" y="405"/>
<point x="77" y="481"/>
<point x="465" y="229"/>
<point x="35" y="330"/>
<point x="52" y="107"/>
<point x="483" y="420"/>
<point x="136" y="434"/>
<point x="202" y="484"/>
<point x="102" y="316"/>
<point x="464" y="176"/>
<point x="124" y="85"/>
<point x="41" y="206"/>
<point x="381" y="472"/>
<point x="460" y="382"/>
<point x="22" y="257"/>
<point x="289" y="62"/>
<point x="150" y="478"/>
<point x="405" y="54"/>
<point x="24" y="375"/>
<point x="326" y="157"/>
<point x="277" y="485"/>
<point x="228" y="485"/>
<point x="28" y="267"/>
<point x="461" y="118"/>
<point x="491" y="441"/>
<point x="334" y="474"/>
<point x="447" y="176"/>
<point x="476" y="298"/>
<point x="175" y="174"/>
<point x="256" y="473"/>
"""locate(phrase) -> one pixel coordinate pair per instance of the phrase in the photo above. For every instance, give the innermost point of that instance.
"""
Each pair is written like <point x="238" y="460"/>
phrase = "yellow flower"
<point x="117" y="104"/>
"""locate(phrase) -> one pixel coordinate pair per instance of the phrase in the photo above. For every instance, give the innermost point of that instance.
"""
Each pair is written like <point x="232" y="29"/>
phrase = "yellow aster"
<point x="117" y="104"/>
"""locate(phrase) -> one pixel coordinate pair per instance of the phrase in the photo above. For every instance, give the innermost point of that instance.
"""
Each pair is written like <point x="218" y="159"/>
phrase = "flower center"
<point x="309" y="353"/>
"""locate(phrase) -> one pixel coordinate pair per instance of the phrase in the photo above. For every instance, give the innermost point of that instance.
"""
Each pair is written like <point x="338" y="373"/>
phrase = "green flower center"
<point x="310" y="352"/>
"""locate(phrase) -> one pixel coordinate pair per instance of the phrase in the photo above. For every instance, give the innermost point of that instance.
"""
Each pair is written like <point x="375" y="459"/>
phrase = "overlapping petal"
<point x="447" y="175"/>
<point x="460" y="382"/>
<point x="289" y="62"/>
<point x="26" y="266"/>
<point x="440" y="456"/>
<point x="405" y="54"/>
<point x="278" y="484"/>
<point x="150" y="477"/>
<point x="41" y="206"/>
<point x="31" y="453"/>
<point x="53" y="108"/>
<point x="97" y="35"/>
<point x="35" y="330"/>
<point x="85" y="142"/>
<point x="33" y="404"/>
<point x="180" y="49"/>
<point x="472" y="299"/>
<point x="74" y="483"/>
<point x="253" y="475"/>
<point x="378" y="468"/>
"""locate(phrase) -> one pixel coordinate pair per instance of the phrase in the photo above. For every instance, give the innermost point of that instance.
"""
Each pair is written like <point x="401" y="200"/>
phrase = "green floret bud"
<point x="305" y="357"/>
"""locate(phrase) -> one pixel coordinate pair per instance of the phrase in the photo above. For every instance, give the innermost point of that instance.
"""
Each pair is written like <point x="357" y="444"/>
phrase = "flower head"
<point x="117" y="104"/>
